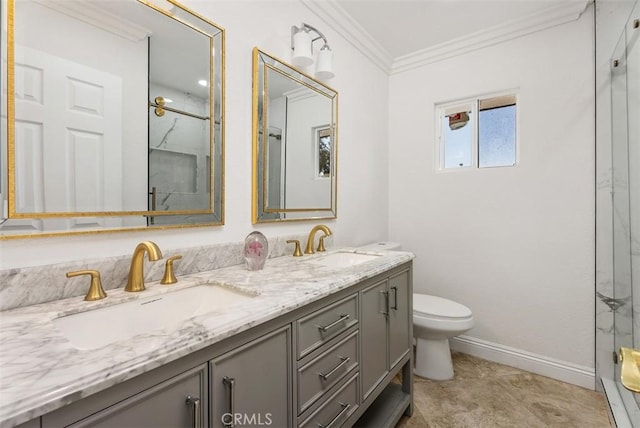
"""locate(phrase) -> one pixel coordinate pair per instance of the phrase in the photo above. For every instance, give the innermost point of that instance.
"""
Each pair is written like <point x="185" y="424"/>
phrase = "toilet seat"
<point x="428" y="306"/>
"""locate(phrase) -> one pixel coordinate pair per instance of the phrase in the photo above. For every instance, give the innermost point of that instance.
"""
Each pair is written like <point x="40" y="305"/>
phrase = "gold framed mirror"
<point x="295" y="123"/>
<point x="114" y="117"/>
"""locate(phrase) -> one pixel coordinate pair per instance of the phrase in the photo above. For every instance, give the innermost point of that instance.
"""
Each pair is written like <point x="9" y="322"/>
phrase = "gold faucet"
<point x="312" y="235"/>
<point x="135" y="282"/>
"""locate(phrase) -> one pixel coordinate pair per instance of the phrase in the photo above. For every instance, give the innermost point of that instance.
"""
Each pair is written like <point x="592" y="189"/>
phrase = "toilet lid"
<point x="425" y="304"/>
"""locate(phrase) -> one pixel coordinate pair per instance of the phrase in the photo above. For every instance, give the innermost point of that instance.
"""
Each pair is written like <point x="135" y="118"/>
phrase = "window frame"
<point x="444" y="109"/>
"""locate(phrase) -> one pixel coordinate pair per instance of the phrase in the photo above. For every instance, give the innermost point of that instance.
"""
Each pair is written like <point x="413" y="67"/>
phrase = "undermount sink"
<point x="95" y="328"/>
<point x="343" y="259"/>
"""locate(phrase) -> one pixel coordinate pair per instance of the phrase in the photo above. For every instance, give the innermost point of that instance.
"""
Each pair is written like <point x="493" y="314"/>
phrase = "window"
<point x="323" y="152"/>
<point x="477" y="133"/>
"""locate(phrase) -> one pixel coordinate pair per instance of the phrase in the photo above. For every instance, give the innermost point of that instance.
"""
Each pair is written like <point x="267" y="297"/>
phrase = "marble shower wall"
<point x="32" y="285"/>
<point x="179" y="152"/>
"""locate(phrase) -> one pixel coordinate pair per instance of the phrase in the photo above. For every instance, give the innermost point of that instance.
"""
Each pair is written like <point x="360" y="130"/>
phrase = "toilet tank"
<point x="381" y="246"/>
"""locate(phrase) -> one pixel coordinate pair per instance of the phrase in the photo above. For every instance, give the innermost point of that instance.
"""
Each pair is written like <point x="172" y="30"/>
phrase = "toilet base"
<point x="433" y="359"/>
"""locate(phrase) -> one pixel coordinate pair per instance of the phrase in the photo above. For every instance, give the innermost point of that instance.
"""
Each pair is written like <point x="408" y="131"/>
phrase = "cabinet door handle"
<point x="343" y="361"/>
<point x="345" y="408"/>
<point x="385" y="293"/>
<point x="231" y="383"/>
<point x="194" y="403"/>
<point x="343" y="317"/>
<point x="395" y="298"/>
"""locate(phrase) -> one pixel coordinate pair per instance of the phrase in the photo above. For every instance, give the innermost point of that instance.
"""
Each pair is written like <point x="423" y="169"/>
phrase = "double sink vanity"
<point x="319" y="340"/>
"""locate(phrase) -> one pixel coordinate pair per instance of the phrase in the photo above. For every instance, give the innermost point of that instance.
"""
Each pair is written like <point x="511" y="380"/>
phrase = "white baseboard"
<point x="555" y="369"/>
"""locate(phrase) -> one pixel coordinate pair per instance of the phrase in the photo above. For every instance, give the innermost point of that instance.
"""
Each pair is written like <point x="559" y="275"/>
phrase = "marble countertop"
<point x="41" y="371"/>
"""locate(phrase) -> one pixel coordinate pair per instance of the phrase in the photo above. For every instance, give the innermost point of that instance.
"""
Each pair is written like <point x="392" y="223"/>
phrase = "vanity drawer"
<point x="324" y="324"/>
<point x="335" y="411"/>
<point x="318" y="375"/>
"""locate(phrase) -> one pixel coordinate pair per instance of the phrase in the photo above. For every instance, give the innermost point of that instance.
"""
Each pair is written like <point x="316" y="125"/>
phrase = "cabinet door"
<point x="164" y="405"/>
<point x="400" y="317"/>
<point x="251" y="385"/>
<point x="373" y="330"/>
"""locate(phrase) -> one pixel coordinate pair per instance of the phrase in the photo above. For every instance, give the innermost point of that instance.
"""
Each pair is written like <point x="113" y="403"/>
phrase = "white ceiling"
<point x="395" y="30"/>
<point x="403" y="27"/>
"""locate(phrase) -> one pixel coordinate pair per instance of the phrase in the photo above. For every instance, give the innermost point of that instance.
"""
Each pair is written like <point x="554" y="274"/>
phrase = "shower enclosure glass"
<point x="625" y="172"/>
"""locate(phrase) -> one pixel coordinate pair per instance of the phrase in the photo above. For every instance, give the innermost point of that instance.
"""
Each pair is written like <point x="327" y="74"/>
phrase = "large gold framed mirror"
<point x="295" y="123"/>
<point x="112" y="117"/>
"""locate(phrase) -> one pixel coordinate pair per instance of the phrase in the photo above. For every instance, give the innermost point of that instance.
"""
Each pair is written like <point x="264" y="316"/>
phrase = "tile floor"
<point x="484" y="394"/>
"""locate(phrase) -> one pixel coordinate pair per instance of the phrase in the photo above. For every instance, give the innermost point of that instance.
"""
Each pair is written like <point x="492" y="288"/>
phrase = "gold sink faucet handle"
<point x="169" y="274"/>
<point x="321" y="245"/>
<point x="297" y="252"/>
<point x="96" y="292"/>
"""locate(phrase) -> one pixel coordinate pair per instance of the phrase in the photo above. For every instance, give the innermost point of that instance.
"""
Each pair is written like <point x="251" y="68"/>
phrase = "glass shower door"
<point x="625" y="110"/>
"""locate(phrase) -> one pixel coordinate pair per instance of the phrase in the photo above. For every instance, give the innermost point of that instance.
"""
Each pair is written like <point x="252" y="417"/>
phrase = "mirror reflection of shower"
<point x="179" y="170"/>
<point x="276" y="174"/>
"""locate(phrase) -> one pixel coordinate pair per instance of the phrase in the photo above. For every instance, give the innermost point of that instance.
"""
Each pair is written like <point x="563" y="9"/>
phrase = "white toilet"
<point x="435" y="320"/>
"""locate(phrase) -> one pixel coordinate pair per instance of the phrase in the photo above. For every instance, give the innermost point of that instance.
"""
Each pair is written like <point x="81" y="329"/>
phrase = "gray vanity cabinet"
<point x="331" y="363"/>
<point x="176" y="402"/>
<point x="385" y="328"/>
<point x="251" y="385"/>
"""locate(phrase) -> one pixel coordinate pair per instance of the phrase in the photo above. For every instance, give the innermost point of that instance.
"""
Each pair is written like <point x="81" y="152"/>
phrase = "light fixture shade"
<point x="324" y="69"/>
<point x="302" y="54"/>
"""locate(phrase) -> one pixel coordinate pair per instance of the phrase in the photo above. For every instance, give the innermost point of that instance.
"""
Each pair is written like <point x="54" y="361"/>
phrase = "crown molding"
<point x="340" y="21"/>
<point x="550" y="17"/>
<point x="99" y="17"/>
<point x="337" y="18"/>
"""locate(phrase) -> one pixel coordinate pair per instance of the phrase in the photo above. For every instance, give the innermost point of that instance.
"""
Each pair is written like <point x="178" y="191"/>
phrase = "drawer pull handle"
<point x="343" y="361"/>
<point x="230" y="383"/>
<point x="343" y="317"/>
<point x="345" y="408"/>
<point x="194" y="403"/>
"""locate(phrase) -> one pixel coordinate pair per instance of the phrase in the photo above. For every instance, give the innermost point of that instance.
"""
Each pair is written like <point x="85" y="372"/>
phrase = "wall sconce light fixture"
<point x="302" y="47"/>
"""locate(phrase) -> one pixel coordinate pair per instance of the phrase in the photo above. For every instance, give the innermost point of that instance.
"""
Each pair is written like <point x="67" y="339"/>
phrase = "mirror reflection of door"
<point x="81" y="138"/>
<point x="70" y="153"/>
